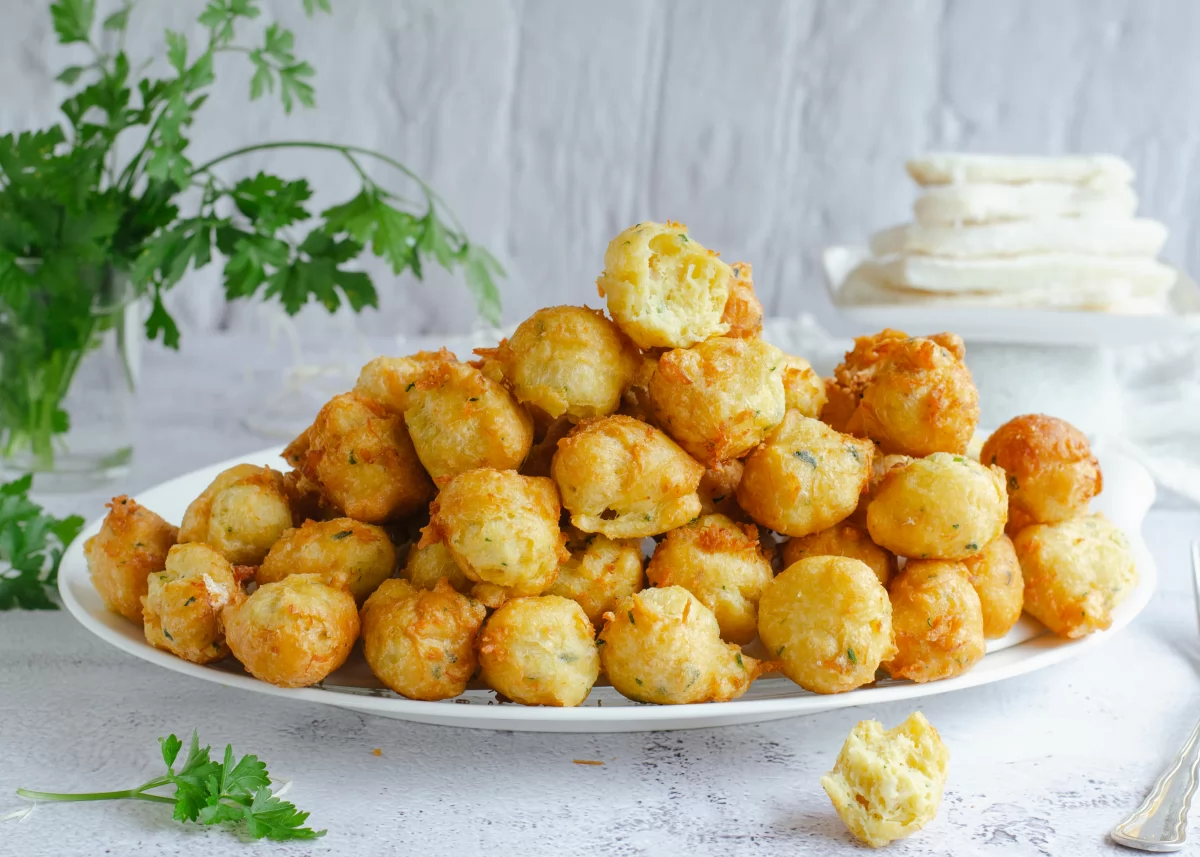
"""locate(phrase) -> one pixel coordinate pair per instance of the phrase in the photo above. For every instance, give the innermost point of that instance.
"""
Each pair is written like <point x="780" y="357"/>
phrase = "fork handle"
<point x="1160" y="823"/>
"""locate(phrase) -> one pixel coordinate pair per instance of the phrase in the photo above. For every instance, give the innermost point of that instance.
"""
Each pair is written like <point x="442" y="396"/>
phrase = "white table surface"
<point x="1044" y="764"/>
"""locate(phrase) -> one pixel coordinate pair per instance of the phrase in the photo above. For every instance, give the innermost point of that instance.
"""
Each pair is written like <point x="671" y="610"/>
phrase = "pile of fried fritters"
<point x="491" y="518"/>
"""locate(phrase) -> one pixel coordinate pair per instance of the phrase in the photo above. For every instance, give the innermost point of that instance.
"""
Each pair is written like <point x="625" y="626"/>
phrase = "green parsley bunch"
<point x="73" y="211"/>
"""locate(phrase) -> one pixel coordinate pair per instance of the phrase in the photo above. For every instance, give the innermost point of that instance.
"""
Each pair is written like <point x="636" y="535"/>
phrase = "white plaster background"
<point x="771" y="128"/>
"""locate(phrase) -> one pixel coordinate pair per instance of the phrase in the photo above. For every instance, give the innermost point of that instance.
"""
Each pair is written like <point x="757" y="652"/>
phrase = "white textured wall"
<point x="771" y="128"/>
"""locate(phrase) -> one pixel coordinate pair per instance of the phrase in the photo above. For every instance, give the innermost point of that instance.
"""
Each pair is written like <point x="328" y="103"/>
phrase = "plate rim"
<point x="1028" y="656"/>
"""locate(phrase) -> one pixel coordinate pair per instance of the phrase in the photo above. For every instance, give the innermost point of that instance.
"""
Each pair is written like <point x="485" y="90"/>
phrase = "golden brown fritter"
<point x="343" y="553"/>
<point x="502" y="529"/>
<point x="664" y="646"/>
<point x="362" y="457"/>
<point x="1052" y="473"/>
<point x="940" y="507"/>
<point x="599" y="573"/>
<point x="427" y="565"/>
<point x="844" y="539"/>
<point x="720" y="562"/>
<point x="293" y="632"/>
<point x="719" y="398"/>
<point x="626" y="479"/>
<point x="938" y="621"/>
<point x="539" y="651"/>
<point x="182" y="607"/>
<point x="803" y="389"/>
<point x="567" y="360"/>
<point x="804" y="477"/>
<point x="132" y="543"/>
<point x="828" y="621"/>
<point x="240" y="514"/>
<point x="664" y="289"/>
<point x="421" y="643"/>
<point x="718" y="490"/>
<point x="461" y="420"/>
<point x="996" y="575"/>
<point x="390" y="380"/>
<point x="1076" y="571"/>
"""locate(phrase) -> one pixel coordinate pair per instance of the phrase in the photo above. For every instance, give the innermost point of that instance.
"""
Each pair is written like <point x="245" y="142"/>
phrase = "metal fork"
<point x="1160" y="823"/>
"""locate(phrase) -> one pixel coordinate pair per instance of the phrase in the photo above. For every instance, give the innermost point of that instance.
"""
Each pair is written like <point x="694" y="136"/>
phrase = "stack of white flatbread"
<point x="1007" y="231"/>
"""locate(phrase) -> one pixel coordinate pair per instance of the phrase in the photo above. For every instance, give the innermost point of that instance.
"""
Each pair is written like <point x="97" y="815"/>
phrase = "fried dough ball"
<point x="293" y="632"/>
<point x="568" y="360"/>
<point x="132" y="544"/>
<point x="1052" y="473"/>
<point x="365" y="462"/>
<point x="241" y="514"/>
<point x="803" y="389"/>
<point x="743" y="310"/>
<point x="850" y="378"/>
<point x="719" y="562"/>
<point x="625" y="479"/>
<point x="718" y="399"/>
<point x="938" y="621"/>
<point x="829" y="621"/>
<point x="664" y="646"/>
<point x="940" y="507"/>
<point x="887" y="785"/>
<point x="996" y="575"/>
<point x="421" y="643"/>
<point x="390" y="380"/>
<point x="540" y="651"/>
<point x="718" y="489"/>
<point x="461" y="420"/>
<point x="342" y="553"/>
<point x="501" y="528"/>
<point x="881" y="466"/>
<point x="182" y="607"/>
<point x="844" y="539"/>
<point x="433" y="562"/>
<point x="663" y="288"/>
<point x="600" y="572"/>
<point x="805" y="477"/>
<point x="921" y="400"/>
<point x="635" y="402"/>
<point x="1076" y="571"/>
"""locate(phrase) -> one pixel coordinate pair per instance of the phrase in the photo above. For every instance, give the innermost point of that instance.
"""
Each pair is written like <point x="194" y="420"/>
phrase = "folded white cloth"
<point x="1064" y="273"/>
<point x="1094" y="236"/>
<point x="955" y="204"/>
<point x="938" y="168"/>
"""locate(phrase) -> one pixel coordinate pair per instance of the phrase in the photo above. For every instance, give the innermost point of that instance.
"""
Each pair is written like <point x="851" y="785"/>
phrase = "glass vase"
<point x="68" y="379"/>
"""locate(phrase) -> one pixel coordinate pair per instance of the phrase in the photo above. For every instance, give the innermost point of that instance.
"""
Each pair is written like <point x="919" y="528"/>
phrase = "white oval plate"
<point x="1128" y="495"/>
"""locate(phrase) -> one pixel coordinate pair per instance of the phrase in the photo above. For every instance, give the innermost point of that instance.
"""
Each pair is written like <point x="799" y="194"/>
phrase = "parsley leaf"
<point x="230" y="792"/>
<point x="31" y="548"/>
<point x="72" y="19"/>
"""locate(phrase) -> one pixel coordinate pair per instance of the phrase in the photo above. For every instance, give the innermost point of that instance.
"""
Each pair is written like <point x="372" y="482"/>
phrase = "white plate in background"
<point x="863" y="308"/>
<point x="1128" y="495"/>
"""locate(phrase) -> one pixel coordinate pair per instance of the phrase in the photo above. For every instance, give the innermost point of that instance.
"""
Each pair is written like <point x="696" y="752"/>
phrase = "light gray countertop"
<point x="1041" y="764"/>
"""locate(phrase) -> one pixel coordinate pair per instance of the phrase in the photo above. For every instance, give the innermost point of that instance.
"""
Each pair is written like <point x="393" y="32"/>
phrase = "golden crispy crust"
<point x="743" y="310"/>
<point x="240" y="514"/>
<point x="718" y="399"/>
<point x="132" y="543"/>
<point x="599" y="573"/>
<point x="183" y="605"/>
<point x="294" y="632"/>
<point x="626" y="479"/>
<point x="539" y="651"/>
<point x="461" y="420"/>
<point x="844" y="539"/>
<point x="343" y="553"/>
<point x="804" y="477"/>
<point x="720" y="562"/>
<point x="421" y="643"/>
<point x="938" y="621"/>
<point x="996" y="575"/>
<point x="1052" y="473"/>
<point x="803" y="389"/>
<point x="390" y="380"/>
<point x="425" y="566"/>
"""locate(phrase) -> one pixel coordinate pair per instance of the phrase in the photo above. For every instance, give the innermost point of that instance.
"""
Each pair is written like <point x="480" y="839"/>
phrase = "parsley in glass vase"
<point x="104" y="212"/>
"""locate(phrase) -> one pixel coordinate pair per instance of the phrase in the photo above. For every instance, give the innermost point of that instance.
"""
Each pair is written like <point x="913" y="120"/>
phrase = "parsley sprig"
<point x="31" y="547"/>
<point x="231" y="792"/>
<point x="111" y="194"/>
